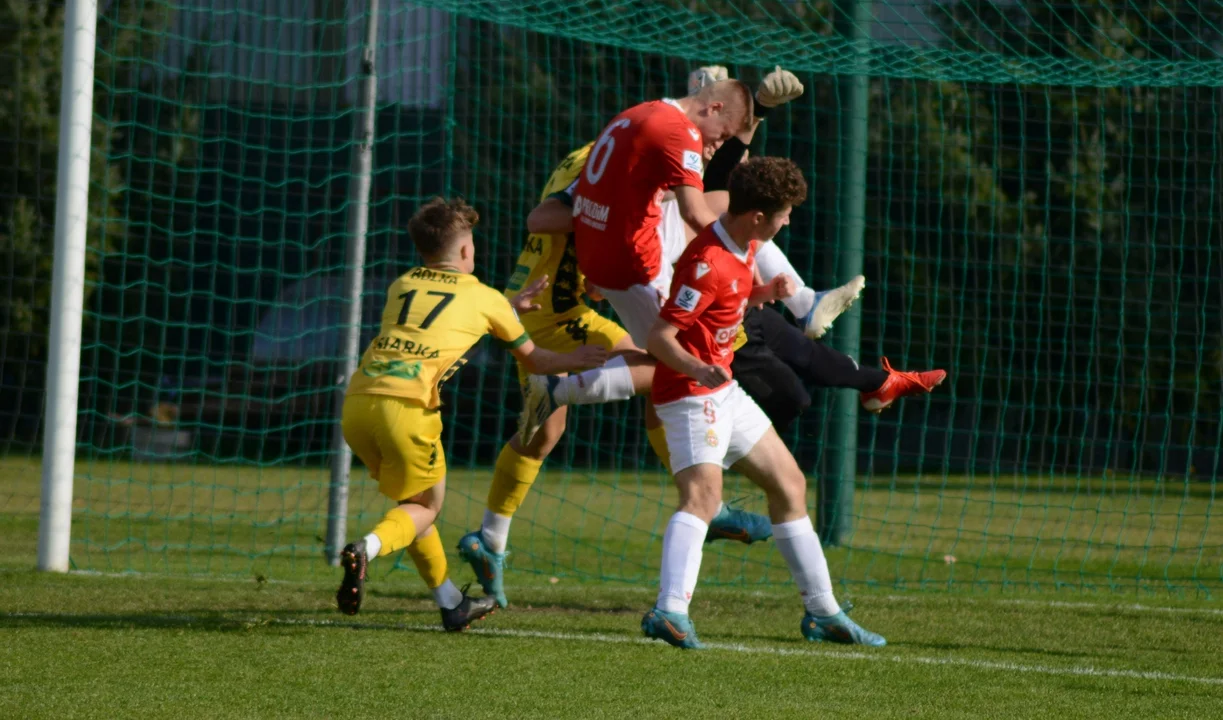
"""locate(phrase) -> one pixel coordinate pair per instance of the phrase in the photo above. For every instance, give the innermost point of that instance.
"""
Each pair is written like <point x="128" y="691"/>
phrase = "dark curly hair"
<point x="436" y="223"/>
<point x="765" y="184"/>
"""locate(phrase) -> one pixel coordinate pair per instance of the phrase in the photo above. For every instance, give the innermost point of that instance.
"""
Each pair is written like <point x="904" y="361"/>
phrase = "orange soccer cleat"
<point x="901" y="384"/>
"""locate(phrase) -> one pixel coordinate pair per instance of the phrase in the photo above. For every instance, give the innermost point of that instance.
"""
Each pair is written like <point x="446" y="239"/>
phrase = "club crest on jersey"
<point x="693" y="162"/>
<point x="687" y="298"/>
<point x="702" y="269"/>
<point x="711" y="438"/>
<point x="696" y="134"/>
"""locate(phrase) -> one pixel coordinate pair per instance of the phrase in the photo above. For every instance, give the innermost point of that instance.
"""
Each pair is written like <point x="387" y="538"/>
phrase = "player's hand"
<point x="712" y="376"/>
<point x="778" y="88"/>
<point x="703" y="76"/>
<point x="783" y="286"/>
<point x="524" y="302"/>
<point x="588" y="356"/>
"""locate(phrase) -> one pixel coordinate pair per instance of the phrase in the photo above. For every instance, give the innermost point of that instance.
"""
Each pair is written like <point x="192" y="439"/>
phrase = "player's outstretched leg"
<point x="770" y="465"/>
<point x="900" y="383"/>
<point x="620" y="378"/>
<point x="828" y="306"/>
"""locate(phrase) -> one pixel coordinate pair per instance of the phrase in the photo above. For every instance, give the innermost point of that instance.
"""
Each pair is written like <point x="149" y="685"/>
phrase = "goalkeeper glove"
<point x="777" y="88"/>
<point x="703" y="76"/>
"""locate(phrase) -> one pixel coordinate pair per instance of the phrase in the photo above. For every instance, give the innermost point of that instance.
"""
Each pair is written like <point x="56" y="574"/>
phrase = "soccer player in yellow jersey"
<point x="434" y="314"/>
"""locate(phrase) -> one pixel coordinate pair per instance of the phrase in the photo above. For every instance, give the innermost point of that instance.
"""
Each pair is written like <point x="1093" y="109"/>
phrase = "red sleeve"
<point x="692" y="291"/>
<point x="681" y="161"/>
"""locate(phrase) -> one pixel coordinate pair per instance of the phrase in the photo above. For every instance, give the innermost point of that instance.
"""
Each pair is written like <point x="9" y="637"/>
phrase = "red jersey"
<point x="709" y="293"/>
<point x="646" y="150"/>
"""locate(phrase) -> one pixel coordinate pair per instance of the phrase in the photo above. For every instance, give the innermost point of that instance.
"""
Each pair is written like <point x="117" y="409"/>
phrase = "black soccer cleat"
<point x="470" y="610"/>
<point x="352" y="590"/>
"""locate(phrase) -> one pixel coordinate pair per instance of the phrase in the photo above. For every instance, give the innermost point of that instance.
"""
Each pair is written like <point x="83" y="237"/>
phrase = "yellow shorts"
<point x="398" y="440"/>
<point x="563" y="336"/>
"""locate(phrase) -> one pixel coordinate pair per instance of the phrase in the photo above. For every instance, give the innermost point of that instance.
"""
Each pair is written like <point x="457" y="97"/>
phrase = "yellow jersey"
<point x="431" y="319"/>
<point x="553" y="255"/>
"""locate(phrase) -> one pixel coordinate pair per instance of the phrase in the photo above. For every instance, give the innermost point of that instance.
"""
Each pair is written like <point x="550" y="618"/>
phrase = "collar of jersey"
<point x="673" y="104"/>
<point x="724" y="236"/>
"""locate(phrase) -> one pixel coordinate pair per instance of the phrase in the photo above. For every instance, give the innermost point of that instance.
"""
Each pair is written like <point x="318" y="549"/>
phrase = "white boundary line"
<point x="629" y="589"/>
<point x="724" y="647"/>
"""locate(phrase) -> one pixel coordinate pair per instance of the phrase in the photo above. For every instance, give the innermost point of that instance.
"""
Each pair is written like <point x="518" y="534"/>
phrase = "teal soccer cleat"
<point x="732" y="523"/>
<point x="489" y="566"/>
<point x="839" y="629"/>
<point x="674" y="628"/>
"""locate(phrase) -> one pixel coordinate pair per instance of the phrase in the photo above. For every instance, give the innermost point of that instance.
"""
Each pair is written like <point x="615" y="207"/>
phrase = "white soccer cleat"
<point x="537" y="405"/>
<point x="829" y="305"/>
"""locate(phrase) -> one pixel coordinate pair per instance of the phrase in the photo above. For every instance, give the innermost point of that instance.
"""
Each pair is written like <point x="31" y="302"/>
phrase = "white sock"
<point x="612" y="381"/>
<point x="496" y="531"/>
<point x="681" y="561"/>
<point x="373" y="544"/>
<point x="773" y="262"/>
<point x="447" y="595"/>
<point x="801" y="548"/>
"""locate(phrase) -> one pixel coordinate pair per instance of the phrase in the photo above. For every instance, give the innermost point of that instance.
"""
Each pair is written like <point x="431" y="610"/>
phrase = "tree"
<point x="31" y="38"/>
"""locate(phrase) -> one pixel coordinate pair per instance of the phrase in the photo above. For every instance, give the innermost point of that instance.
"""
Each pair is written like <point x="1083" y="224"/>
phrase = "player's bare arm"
<point x="779" y="288"/>
<point x="693" y="208"/>
<point x="551" y="217"/>
<point x="665" y="347"/>
<point x="539" y="361"/>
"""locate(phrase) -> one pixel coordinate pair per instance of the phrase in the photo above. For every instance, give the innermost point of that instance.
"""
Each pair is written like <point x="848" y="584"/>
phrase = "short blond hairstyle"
<point x="734" y="95"/>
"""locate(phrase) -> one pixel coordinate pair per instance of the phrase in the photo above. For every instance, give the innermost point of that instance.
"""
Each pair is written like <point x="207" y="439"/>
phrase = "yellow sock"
<point x="396" y="531"/>
<point x="658" y="440"/>
<point x="512" y="479"/>
<point x="430" y="557"/>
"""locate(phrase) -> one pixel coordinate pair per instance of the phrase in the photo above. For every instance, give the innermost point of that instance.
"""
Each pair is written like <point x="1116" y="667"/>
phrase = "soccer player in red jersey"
<point x="712" y="425"/>
<point x="646" y="151"/>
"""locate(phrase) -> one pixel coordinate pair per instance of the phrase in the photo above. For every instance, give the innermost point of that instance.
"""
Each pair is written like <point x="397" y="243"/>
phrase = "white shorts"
<point x="719" y="429"/>
<point x="637" y="308"/>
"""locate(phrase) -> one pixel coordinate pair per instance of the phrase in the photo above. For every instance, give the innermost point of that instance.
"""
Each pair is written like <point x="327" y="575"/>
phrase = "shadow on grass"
<point x="232" y="620"/>
<point x="531" y="602"/>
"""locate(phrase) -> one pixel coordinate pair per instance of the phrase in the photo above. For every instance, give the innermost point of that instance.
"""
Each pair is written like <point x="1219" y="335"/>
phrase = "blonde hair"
<point x="734" y="95"/>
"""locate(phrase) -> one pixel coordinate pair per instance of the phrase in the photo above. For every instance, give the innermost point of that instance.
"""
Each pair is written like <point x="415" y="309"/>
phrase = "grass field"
<point x="1068" y="597"/>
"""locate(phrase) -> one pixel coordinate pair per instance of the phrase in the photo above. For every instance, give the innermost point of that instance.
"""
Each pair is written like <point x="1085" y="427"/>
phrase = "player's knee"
<point x="699" y="493"/>
<point x="789" y="494"/>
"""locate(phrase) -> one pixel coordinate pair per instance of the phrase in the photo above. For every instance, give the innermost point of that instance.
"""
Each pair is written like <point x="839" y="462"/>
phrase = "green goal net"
<point x="1043" y="184"/>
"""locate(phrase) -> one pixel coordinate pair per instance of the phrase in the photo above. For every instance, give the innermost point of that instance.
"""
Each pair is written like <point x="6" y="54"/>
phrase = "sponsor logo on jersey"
<point x="687" y="298"/>
<point x="696" y="134"/>
<point x="393" y="368"/>
<point x="702" y="269"/>
<point x="725" y="335"/>
<point x="692" y="161"/>
<point x="591" y="213"/>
